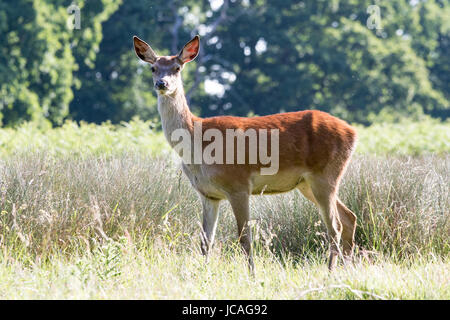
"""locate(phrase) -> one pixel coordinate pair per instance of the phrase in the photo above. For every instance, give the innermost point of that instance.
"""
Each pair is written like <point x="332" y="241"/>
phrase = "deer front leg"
<point x="240" y="205"/>
<point x="210" y="217"/>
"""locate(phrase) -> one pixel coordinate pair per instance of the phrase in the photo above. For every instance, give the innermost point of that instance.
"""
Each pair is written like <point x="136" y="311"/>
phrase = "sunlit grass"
<point x="407" y="138"/>
<point x="127" y="226"/>
<point x="117" y="270"/>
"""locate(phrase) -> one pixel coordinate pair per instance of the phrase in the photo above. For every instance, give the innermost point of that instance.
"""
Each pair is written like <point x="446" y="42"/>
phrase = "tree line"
<point x="360" y="60"/>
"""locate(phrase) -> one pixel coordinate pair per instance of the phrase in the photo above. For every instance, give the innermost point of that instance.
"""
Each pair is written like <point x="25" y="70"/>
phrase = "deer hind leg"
<point x="348" y="220"/>
<point x="240" y="205"/>
<point x="210" y="217"/>
<point x="324" y="193"/>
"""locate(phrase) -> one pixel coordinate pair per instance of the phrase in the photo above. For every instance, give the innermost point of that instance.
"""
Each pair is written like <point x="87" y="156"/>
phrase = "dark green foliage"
<point x="39" y="55"/>
<point x="270" y="56"/>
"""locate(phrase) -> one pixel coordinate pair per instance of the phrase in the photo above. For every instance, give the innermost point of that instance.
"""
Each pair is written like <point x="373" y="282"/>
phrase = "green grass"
<point x="95" y="212"/>
<point x="118" y="270"/>
<point x="407" y="138"/>
<point x="125" y="225"/>
<point x="83" y="139"/>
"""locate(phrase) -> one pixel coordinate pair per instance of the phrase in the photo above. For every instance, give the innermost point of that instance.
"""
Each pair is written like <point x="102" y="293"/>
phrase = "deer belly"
<point x="283" y="181"/>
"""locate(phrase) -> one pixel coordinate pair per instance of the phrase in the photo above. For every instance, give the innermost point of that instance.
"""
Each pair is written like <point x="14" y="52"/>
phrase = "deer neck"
<point x="175" y="114"/>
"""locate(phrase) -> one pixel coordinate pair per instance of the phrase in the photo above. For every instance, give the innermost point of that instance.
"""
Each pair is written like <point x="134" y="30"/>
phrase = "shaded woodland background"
<point x="258" y="57"/>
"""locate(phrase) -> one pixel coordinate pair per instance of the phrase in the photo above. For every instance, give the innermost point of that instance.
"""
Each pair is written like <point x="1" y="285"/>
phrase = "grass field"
<point x="407" y="138"/>
<point x="104" y="212"/>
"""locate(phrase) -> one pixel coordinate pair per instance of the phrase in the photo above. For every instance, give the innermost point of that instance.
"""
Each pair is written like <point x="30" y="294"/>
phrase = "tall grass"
<point x="104" y="212"/>
<point x="118" y="270"/>
<point x="51" y="205"/>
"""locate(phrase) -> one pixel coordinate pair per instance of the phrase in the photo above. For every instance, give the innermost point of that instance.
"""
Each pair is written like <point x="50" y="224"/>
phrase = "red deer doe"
<point x="314" y="151"/>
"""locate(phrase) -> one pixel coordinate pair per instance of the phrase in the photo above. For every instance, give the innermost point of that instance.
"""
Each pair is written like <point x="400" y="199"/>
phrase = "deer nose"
<point x="161" y="84"/>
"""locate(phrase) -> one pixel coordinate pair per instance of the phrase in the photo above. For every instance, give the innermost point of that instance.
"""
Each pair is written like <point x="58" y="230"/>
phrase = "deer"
<point x="315" y="149"/>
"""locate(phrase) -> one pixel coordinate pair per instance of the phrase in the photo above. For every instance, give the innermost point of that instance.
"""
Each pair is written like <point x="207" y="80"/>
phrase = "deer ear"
<point x="190" y="50"/>
<point x="144" y="51"/>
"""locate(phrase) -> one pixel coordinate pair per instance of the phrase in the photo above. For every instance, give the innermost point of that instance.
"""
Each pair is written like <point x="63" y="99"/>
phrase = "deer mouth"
<point x="162" y="91"/>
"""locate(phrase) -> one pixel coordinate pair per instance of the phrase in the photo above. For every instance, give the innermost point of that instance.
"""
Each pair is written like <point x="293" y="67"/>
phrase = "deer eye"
<point x="153" y="69"/>
<point x="177" y="69"/>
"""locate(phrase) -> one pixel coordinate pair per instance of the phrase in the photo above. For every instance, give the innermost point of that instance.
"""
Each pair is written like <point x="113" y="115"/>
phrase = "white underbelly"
<point x="283" y="181"/>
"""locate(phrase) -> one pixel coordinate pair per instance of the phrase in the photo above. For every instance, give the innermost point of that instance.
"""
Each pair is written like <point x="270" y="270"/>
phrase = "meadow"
<point x="103" y="212"/>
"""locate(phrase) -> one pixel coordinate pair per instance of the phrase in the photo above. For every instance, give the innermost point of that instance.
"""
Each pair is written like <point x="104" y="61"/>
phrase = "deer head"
<point x="167" y="69"/>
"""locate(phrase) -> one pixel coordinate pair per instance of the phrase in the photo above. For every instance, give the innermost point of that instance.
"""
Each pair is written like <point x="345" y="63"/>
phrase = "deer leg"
<point x="325" y="194"/>
<point x="210" y="217"/>
<point x="305" y="189"/>
<point x="348" y="220"/>
<point x="240" y="205"/>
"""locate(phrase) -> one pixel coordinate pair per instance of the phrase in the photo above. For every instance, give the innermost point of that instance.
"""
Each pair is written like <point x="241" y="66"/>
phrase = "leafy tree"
<point x="321" y="55"/>
<point x="38" y="56"/>
<point x="35" y="64"/>
<point x="263" y="57"/>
